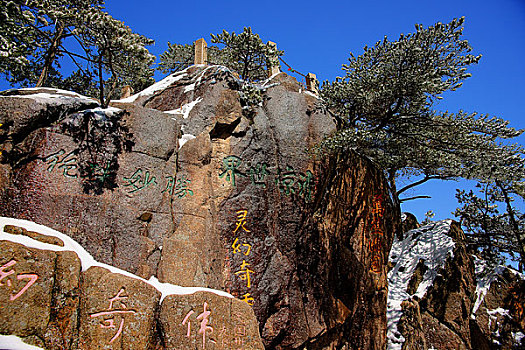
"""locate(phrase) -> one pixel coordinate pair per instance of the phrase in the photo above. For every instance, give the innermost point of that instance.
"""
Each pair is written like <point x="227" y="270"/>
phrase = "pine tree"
<point x="115" y="55"/>
<point x="18" y="40"/>
<point x="490" y="230"/>
<point x="36" y="30"/>
<point x="178" y="57"/>
<point x="33" y="36"/>
<point x="384" y="107"/>
<point x="244" y="53"/>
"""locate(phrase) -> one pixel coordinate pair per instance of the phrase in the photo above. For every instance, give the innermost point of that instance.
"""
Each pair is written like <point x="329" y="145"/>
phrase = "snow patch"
<point x="12" y="342"/>
<point x="158" y="86"/>
<point x="109" y="111"/>
<point x="86" y="259"/>
<point x="518" y="337"/>
<point x="56" y="93"/>
<point x="485" y="275"/>
<point x="311" y="94"/>
<point x="430" y="243"/>
<point x="189" y="88"/>
<point x="53" y="98"/>
<point x="185" y="110"/>
<point x="484" y="280"/>
<point x="185" y="138"/>
<point x="270" y="78"/>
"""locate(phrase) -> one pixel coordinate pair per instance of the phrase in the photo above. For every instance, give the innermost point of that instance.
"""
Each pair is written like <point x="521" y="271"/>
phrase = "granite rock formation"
<point x="204" y="181"/>
<point x="454" y="300"/>
<point x="51" y="300"/>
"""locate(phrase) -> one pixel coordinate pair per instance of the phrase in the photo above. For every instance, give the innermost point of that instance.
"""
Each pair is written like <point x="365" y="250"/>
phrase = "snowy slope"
<point x="430" y="243"/>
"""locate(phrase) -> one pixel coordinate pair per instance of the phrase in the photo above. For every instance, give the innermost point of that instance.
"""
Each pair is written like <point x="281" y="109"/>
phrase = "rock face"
<point x="201" y="180"/>
<point x="450" y="302"/>
<point x="49" y="302"/>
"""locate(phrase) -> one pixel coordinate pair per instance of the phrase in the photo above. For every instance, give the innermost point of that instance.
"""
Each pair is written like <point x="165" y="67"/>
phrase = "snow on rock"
<point x="311" y="94"/>
<point x="434" y="246"/>
<point x="49" y="95"/>
<point x="12" y="342"/>
<point x="185" y="110"/>
<point x="86" y="259"/>
<point x="485" y="275"/>
<point x="189" y="88"/>
<point x="158" y="86"/>
<point x="185" y="138"/>
<point x="518" y="337"/>
<point x="484" y="280"/>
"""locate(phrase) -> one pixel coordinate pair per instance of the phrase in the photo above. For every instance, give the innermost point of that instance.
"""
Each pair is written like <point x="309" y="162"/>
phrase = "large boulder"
<point x="497" y="318"/>
<point x="39" y="294"/>
<point x="116" y="311"/>
<point x="205" y="320"/>
<point x="48" y="302"/>
<point x="203" y="180"/>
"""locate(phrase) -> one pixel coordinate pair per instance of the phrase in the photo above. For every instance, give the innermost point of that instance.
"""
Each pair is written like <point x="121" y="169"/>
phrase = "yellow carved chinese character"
<point x="241" y="220"/>
<point x="248" y="299"/>
<point x="244" y="273"/>
<point x="236" y="246"/>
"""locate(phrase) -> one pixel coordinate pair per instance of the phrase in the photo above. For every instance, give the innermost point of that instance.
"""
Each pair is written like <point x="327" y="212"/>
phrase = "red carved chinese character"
<point x="375" y="245"/>
<point x="204" y="324"/>
<point x="204" y="327"/>
<point x="375" y="265"/>
<point x="28" y="276"/>
<point x="112" y="311"/>
<point x="189" y="323"/>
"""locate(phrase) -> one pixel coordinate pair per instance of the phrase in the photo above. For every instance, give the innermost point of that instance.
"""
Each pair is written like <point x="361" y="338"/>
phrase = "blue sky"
<point x="318" y="37"/>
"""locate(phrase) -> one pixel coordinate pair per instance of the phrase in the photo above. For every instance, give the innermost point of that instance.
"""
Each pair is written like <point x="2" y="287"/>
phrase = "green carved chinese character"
<point x="139" y="180"/>
<point x="230" y="165"/>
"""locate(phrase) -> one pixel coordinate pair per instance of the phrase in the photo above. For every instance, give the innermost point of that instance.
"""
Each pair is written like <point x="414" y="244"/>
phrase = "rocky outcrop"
<point x="440" y="300"/>
<point x="52" y="301"/>
<point x="204" y="181"/>
<point x="498" y="319"/>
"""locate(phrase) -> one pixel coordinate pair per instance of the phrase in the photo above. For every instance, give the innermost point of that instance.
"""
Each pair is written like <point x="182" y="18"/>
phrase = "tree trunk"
<point x="101" y="82"/>
<point x="514" y="225"/>
<point x="51" y="54"/>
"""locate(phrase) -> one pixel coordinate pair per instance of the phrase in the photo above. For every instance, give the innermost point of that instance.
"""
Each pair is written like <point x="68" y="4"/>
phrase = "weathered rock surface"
<point x="453" y="313"/>
<point x="191" y="182"/>
<point x="500" y="316"/>
<point x="39" y="294"/>
<point x="116" y="312"/>
<point x="206" y="321"/>
<point x="49" y="302"/>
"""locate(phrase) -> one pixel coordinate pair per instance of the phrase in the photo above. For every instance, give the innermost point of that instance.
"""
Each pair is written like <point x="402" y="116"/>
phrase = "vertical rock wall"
<point x="208" y="187"/>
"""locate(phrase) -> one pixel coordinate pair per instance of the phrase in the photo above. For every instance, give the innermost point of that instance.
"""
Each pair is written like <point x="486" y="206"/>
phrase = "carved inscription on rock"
<point x="375" y="243"/>
<point x="289" y="181"/>
<point x="206" y="321"/>
<point x="241" y="246"/>
<point x="116" y="311"/>
<point x="26" y="284"/>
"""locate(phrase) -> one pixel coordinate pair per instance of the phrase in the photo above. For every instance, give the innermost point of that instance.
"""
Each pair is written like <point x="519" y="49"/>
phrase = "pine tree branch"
<point x="401" y="200"/>
<point x="422" y="181"/>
